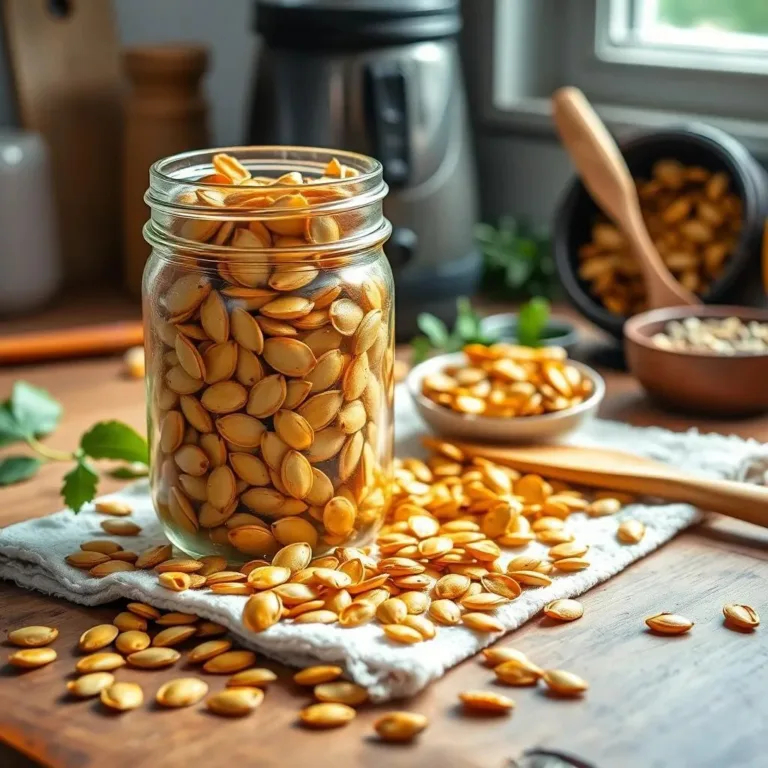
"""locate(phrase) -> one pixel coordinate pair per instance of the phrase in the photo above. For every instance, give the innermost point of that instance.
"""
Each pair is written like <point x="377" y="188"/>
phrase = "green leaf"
<point x="14" y="469"/>
<point x="35" y="411"/>
<point x="531" y="321"/>
<point x="129" y="472"/>
<point x="421" y="348"/>
<point x="433" y="328"/>
<point x="115" y="440"/>
<point x="467" y="321"/>
<point x="79" y="485"/>
<point x="10" y="430"/>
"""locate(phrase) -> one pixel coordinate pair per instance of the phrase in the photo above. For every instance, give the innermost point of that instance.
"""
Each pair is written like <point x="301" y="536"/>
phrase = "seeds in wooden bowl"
<point x="714" y="335"/>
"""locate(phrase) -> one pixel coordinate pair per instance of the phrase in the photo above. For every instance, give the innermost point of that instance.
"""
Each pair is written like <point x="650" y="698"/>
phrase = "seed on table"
<point x="33" y="637"/>
<point x="341" y="692"/>
<point x="669" y="624"/>
<point x="131" y="641"/>
<point x="175" y="581"/>
<point x="105" y="661"/>
<point x="564" y="610"/>
<point x="400" y="726"/>
<point x="257" y="677"/>
<point x="98" y="637"/>
<point x="207" y="650"/>
<point x="173" y="636"/>
<point x="89" y="685"/>
<point x="122" y="696"/>
<point x="182" y="692"/>
<point x="174" y="618"/>
<point x="564" y="683"/>
<point x="121" y="527"/>
<point x="126" y="620"/>
<point x="229" y="662"/>
<point x="32" y="658"/>
<point x="630" y="531"/>
<point x="518" y="672"/>
<point x="495" y="656"/>
<point x="113" y="507"/>
<point x="327" y="715"/>
<point x="154" y="658"/>
<point x="113" y="566"/>
<point x="235" y="702"/>
<point x="741" y="616"/>
<point x="486" y="702"/>
<point x="321" y="673"/>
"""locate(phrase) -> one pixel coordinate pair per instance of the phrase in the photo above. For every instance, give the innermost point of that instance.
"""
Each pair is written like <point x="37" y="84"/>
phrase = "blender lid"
<point x="333" y="24"/>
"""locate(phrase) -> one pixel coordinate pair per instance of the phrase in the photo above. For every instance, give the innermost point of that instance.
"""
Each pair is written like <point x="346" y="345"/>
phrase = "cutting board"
<point x="65" y="63"/>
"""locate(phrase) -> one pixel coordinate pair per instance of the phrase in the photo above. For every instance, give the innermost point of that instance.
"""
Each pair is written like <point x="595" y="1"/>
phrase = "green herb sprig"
<point x="30" y="413"/>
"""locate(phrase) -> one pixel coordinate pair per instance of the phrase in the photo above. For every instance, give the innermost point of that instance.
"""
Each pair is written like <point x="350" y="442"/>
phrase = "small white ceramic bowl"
<point x="521" y="429"/>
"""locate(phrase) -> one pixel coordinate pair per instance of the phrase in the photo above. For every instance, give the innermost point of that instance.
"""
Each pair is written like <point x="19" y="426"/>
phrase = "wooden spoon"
<point x="606" y="176"/>
<point x="624" y="472"/>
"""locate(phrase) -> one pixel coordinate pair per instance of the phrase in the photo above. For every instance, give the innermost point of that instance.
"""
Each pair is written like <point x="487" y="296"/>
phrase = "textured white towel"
<point x="32" y="554"/>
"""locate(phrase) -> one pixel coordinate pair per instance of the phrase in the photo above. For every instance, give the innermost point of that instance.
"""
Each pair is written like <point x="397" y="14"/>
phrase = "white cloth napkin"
<point x="32" y="554"/>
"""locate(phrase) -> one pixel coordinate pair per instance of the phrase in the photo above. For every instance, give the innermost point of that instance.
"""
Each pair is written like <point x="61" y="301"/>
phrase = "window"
<point x="726" y="35"/>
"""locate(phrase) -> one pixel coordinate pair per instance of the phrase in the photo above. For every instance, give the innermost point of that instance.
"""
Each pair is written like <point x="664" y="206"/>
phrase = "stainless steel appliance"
<point x="382" y="77"/>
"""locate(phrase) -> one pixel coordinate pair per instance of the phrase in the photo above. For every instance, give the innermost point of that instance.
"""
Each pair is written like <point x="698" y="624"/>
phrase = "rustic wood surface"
<point x="697" y="700"/>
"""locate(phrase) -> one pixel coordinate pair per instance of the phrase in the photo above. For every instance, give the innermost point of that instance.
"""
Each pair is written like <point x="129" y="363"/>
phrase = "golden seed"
<point x="207" y="650"/>
<point x="113" y="566"/>
<point x="229" y="662"/>
<point x="567" y="549"/>
<point x="482" y="622"/>
<point x="486" y="701"/>
<point x="602" y="507"/>
<point x="356" y="614"/>
<point x="174" y="618"/>
<point x="33" y="637"/>
<point x="422" y="625"/>
<point x="530" y="578"/>
<point x="235" y="702"/>
<point x="391" y="611"/>
<point x="175" y="581"/>
<point x="131" y="641"/>
<point x="451" y="586"/>
<point x="564" y="610"/>
<point x="630" y="531"/>
<point x="495" y="656"/>
<point x="445" y="612"/>
<point x="295" y="557"/>
<point x="268" y="576"/>
<point x="318" y="674"/>
<point x="127" y="620"/>
<point x="182" y="692"/>
<point x="483" y="601"/>
<point x="400" y="726"/>
<point x="319" y="616"/>
<point x="267" y="396"/>
<point x="326" y="715"/>
<point x="154" y="658"/>
<point x="173" y="636"/>
<point x="113" y="507"/>
<point x="402" y="633"/>
<point x="564" y="683"/>
<point x="210" y="629"/>
<point x="100" y="662"/>
<point x="257" y="677"/>
<point x="501" y="584"/>
<point x="518" y="672"/>
<point x="144" y="610"/>
<point x="98" y="637"/>
<point x="669" y="624"/>
<point x="741" y="616"/>
<point x="154" y="556"/>
<point x="101" y="545"/>
<point x="122" y="696"/>
<point x="86" y="560"/>
<point x="90" y="685"/>
<point x="32" y="658"/>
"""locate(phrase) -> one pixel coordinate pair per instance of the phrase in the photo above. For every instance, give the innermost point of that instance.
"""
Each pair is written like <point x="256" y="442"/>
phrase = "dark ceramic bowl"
<point x="714" y="385"/>
<point x="558" y="332"/>
<point x="694" y="144"/>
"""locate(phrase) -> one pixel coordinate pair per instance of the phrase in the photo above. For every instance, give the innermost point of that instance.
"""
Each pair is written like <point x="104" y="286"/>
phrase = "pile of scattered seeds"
<point x="505" y="380"/>
<point x="714" y="335"/>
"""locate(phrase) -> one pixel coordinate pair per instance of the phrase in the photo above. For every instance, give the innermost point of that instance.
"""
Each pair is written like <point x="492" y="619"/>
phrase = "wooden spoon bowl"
<point x="708" y="384"/>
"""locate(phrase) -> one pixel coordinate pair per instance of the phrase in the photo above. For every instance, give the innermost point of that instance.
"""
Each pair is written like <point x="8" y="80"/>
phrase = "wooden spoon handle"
<point x="743" y="501"/>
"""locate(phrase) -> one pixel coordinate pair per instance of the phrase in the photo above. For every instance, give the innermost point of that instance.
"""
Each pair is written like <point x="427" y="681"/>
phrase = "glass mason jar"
<point x="269" y="334"/>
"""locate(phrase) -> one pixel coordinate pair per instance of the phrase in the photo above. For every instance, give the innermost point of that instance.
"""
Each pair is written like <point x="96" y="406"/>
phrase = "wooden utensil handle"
<point x="70" y="342"/>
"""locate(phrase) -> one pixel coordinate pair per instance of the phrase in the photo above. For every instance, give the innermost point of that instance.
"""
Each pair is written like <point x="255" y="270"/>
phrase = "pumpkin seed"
<point x="98" y="637"/>
<point x="33" y="636"/>
<point x="120" y="528"/>
<point x="113" y="507"/>
<point x="182" y="692"/>
<point x="32" y="658"/>
<point x="294" y="530"/>
<point x="214" y="317"/>
<point x="349" y="456"/>
<point x="287" y="308"/>
<point x="367" y="332"/>
<point x="224" y="397"/>
<point x="221" y="487"/>
<point x="630" y="531"/>
<point x="422" y="625"/>
<point x="249" y="370"/>
<point x="339" y="516"/>
<point x="444" y="612"/>
<point x="257" y="677"/>
<point x="564" y="610"/>
<point x="486" y="701"/>
<point x="154" y="556"/>
<point x="122" y="696"/>
<point x="296" y="475"/>
<point x="345" y="316"/>
<point x="174" y="618"/>
<point x="482" y="622"/>
<point x="231" y="661"/>
<point x="355" y="378"/>
<point x="240" y="430"/>
<point x="235" y="702"/>
<point x="180" y="382"/>
<point x="571" y="564"/>
<point x="327" y="443"/>
<point x="90" y="685"/>
<point x="326" y="715"/>
<point x="113" y="566"/>
<point x="567" y="549"/>
<point x="154" y="658"/>
<point x="171" y="636"/>
<point x="530" y="578"/>
<point x="188" y="292"/>
<point x="252" y="539"/>
<point x="131" y="641"/>
<point x="246" y="331"/>
<point x="297" y="391"/>
<point x="261" y="612"/>
<point x="603" y="507"/>
<point x="341" y="692"/>
<point x="171" y="432"/>
<point x="268" y="576"/>
<point x="669" y="624"/>
<point x="400" y="726"/>
<point x="100" y="662"/>
<point x="293" y="429"/>
<point x="564" y="683"/>
<point x="191" y="460"/>
<point x="86" y="560"/>
<point x="189" y="358"/>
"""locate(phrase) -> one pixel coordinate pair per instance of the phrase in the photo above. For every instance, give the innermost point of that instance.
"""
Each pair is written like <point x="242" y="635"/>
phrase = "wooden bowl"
<point x="549" y="427"/>
<point x="709" y="384"/>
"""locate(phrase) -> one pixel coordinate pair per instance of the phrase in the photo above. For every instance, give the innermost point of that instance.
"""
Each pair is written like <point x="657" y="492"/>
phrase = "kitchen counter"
<point x="696" y="700"/>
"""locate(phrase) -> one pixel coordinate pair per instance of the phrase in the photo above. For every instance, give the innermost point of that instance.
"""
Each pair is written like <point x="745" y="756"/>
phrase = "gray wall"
<point x="225" y="26"/>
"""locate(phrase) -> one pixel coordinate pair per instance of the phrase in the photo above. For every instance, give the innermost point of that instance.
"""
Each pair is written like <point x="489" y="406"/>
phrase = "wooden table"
<point x="698" y="700"/>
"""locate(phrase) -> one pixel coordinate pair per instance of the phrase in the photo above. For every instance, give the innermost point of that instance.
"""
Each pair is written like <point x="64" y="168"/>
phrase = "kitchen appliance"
<point x="382" y="77"/>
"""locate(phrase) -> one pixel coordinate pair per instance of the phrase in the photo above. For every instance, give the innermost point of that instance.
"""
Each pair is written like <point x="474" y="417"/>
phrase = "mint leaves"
<point x="531" y="322"/>
<point x="31" y="413"/>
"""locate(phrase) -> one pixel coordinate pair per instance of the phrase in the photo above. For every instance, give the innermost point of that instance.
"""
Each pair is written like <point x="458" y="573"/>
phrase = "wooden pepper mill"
<point x="165" y="114"/>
